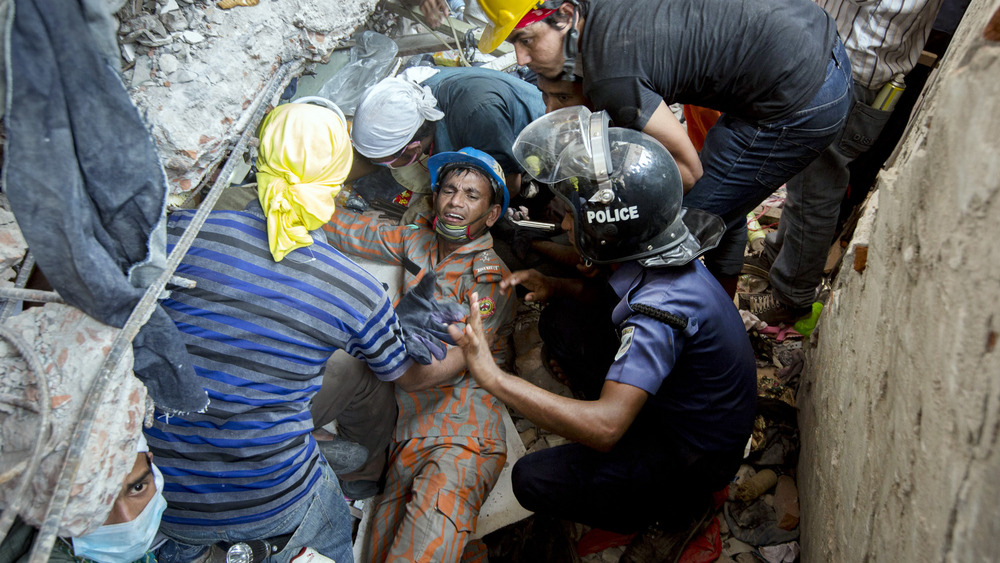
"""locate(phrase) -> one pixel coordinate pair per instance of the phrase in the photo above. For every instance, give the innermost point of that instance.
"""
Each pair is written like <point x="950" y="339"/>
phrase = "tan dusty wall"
<point x="900" y="405"/>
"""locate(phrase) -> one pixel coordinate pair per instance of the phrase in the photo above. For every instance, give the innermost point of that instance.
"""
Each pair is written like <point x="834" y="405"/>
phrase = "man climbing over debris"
<point x="449" y="444"/>
<point x="272" y="303"/>
<point x="775" y="68"/>
<point x="676" y="406"/>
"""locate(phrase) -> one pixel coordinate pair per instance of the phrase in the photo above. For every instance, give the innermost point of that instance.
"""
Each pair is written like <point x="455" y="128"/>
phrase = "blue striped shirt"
<point x="260" y="333"/>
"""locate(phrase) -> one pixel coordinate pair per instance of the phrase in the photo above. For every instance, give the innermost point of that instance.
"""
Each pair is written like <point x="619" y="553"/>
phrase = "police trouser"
<point x="648" y="476"/>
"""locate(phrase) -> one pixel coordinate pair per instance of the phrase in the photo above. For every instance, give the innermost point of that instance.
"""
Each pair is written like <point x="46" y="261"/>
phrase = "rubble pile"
<point x="12" y="245"/>
<point x="193" y="68"/>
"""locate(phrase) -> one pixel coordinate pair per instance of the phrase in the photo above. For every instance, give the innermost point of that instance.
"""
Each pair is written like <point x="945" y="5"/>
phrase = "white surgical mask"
<point x="128" y="541"/>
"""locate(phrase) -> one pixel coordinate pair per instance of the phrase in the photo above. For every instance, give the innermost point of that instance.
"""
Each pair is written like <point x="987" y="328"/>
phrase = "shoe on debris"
<point x="344" y="456"/>
<point x="665" y="543"/>
<point x="766" y="307"/>
<point x="757" y="265"/>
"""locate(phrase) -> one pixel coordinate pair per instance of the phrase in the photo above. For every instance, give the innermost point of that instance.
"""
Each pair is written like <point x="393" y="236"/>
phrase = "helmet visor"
<point x="570" y="142"/>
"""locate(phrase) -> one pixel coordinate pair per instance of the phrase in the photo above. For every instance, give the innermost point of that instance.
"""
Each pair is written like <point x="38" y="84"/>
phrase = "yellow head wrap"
<point x="305" y="155"/>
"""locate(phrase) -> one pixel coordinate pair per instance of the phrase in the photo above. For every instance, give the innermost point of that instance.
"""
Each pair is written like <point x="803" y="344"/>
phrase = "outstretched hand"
<point x="538" y="284"/>
<point x="475" y="347"/>
<point x="435" y="12"/>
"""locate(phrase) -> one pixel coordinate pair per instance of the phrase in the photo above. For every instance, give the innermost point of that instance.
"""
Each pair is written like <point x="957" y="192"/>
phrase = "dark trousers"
<point x="582" y="338"/>
<point x="646" y="477"/>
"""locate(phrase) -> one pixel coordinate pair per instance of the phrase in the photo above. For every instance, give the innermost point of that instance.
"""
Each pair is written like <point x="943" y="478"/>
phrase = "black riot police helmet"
<point x="623" y="186"/>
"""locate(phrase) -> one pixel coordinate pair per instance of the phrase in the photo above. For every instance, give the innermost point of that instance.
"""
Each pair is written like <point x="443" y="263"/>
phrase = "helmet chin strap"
<point x="570" y="47"/>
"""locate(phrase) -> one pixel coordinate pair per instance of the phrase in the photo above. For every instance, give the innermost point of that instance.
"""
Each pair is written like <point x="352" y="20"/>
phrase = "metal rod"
<point x="44" y="408"/>
<point x="27" y="265"/>
<point x="183" y="282"/>
<point x="42" y="547"/>
<point x="16" y="294"/>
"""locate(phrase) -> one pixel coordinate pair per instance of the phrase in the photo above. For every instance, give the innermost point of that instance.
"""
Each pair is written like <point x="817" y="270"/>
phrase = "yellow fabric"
<point x="305" y="155"/>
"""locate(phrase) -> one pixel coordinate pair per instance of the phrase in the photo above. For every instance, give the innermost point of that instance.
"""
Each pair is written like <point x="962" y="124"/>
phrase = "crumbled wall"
<point x="197" y="68"/>
<point x="71" y="348"/>
<point x="900" y="404"/>
<point x="12" y="244"/>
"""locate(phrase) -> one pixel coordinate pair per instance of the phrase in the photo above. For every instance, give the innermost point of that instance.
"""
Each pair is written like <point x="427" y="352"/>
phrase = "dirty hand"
<point x="424" y="321"/>
<point x="518" y="214"/>
<point x="434" y="11"/>
<point x="537" y="283"/>
<point x="475" y="346"/>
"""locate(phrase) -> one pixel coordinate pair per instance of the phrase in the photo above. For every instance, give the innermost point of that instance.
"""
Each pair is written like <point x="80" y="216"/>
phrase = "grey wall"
<point x="900" y="403"/>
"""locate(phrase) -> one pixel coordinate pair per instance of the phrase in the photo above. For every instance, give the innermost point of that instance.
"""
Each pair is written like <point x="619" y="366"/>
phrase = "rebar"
<point x="37" y="295"/>
<point x="27" y="265"/>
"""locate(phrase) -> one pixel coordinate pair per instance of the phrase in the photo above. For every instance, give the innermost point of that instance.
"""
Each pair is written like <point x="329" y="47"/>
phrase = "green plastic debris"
<point x="807" y="325"/>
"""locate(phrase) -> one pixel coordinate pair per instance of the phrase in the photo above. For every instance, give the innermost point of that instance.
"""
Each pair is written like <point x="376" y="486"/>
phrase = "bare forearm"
<point x="420" y="376"/>
<point x="664" y="127"/>
<point x="580" y="421"/>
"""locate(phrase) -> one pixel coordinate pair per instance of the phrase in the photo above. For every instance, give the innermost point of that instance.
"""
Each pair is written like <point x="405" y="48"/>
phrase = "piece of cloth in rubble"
<point x="388" y="115"/>
<point x="305" y="155"/>
<point x="756" y="523"/>
<point x="84" y="181"/>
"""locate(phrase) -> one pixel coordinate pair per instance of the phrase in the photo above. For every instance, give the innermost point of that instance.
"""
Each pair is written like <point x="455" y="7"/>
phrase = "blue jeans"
<point x="798" y="249"/>
<point x="745" y="162"/>
<point x="321" y="521"/>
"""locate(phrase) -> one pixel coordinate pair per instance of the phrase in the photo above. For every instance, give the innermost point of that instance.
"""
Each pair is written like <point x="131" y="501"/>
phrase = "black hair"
<point x="495" y="190"/>
<point x="425" y="130"/>
<point x="557" y="19"/>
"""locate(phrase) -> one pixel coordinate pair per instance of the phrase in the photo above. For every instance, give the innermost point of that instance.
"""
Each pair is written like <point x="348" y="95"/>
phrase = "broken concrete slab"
<point x="193" y="84"/>
<point x="70" y="346"/>
<point x="12" y="245"/>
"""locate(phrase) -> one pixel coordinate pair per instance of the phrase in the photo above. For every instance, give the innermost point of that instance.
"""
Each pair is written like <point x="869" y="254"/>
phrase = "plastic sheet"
<point x="371" y="59"/>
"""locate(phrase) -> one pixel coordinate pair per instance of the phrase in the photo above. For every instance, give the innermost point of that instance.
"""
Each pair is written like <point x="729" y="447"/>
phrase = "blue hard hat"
<point x="476" y="158"/>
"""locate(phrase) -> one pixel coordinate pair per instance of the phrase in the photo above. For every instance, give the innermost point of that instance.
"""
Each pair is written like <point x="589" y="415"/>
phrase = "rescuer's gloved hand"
<point x="425" y="321"/>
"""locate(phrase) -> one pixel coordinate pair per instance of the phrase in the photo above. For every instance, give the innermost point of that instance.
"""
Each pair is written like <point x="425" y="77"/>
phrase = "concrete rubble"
<point x="70" y="347"/>
<point x="193" y="69"/>
<point x="12" y="245"/>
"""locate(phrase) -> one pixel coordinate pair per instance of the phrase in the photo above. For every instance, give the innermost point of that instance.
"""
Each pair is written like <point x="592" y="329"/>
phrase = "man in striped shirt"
<point x="273" y="301"/>
<point x="449" y="444"/>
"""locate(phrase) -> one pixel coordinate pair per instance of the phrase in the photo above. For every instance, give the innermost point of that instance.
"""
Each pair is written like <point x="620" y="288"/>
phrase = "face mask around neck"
<point x="459" y="235"/>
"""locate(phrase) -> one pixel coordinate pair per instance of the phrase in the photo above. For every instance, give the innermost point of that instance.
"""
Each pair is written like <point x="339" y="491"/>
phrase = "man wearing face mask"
<point x="128" y="532"/>
<point x="449" y="443"/>
<point x="400" y="121"/>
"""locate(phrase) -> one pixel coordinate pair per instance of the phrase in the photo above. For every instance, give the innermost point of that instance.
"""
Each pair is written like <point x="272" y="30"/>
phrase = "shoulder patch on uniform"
<point x="487" y="307"/>
<point x="626" y="341"/>
<point x="487" y="267"/>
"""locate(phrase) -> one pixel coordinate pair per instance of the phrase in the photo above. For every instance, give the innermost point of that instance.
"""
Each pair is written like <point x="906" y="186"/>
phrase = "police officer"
<point x="677" y="402"/>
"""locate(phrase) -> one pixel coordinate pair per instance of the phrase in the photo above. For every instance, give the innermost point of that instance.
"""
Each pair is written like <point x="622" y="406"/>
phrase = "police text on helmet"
<point x="612" y="216"/>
